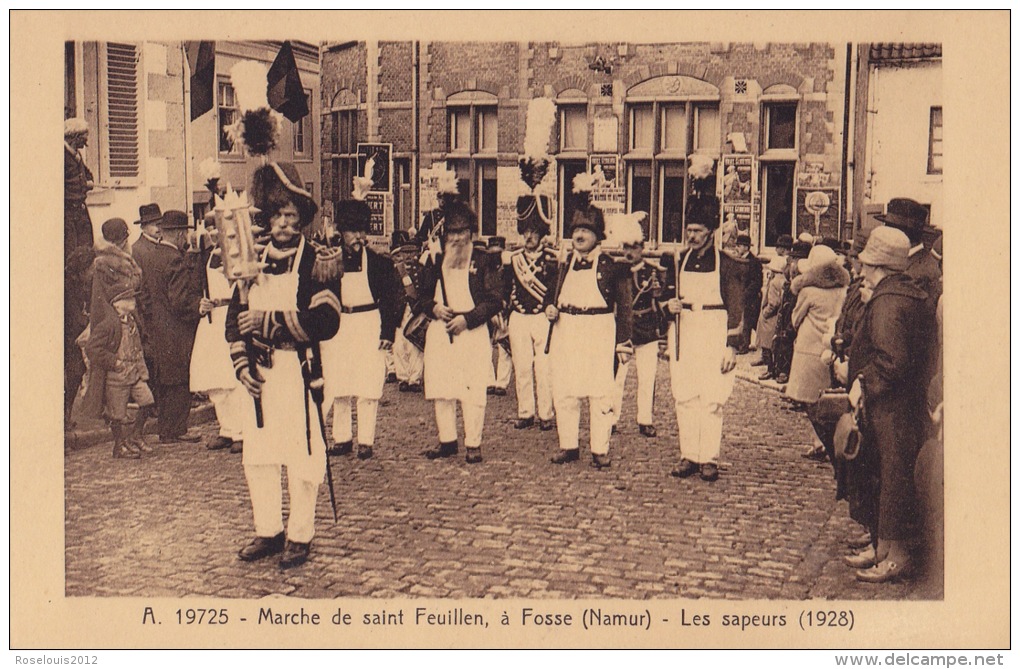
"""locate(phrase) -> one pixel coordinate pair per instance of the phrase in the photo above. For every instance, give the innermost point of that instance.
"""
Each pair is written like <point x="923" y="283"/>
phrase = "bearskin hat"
<point x="274" y="186"/>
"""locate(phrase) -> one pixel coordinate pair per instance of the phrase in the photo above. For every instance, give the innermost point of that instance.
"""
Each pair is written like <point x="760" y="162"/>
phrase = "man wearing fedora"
<point x="171" y="295"/>
<point x="705" y="287"/>
<point x="531" y="282"/>
<point x="889" y="370"/>
<point x="752" y="294"/>
<point x="911" y="217"/>
<point x="354" y="361"/>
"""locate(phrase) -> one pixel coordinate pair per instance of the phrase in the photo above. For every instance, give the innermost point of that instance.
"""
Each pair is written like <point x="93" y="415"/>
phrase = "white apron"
<point x="583" y="345"/>
<point x="352" y="364"/>
<point x="281" y="441"/>
<point x="702" y="340"/>
<point x="211" y="367"/>
<point x="461" y="370"/>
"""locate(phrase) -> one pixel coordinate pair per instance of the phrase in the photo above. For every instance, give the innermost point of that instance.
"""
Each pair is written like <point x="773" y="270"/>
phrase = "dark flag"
<point x="202" y="63"/>
<point x="285" y="93"/>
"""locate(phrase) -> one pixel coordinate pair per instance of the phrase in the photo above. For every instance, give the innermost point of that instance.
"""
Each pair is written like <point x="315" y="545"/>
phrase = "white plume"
<point x="701" y="166"/>
<point x="584" y="182"/>
<point x="625" y="228"/>
<point x="447" y="182"/>
<point x="250" y="83"/>
<point x="541" y="118"/>
<point x="209" y="169"/>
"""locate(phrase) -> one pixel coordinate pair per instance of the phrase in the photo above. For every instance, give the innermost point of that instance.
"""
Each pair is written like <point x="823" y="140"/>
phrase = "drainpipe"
<point x="415" y="136"/>
<point x="846" y="136"/>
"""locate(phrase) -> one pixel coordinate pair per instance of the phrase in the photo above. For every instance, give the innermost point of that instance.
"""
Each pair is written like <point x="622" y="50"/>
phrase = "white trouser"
<point x="391" y="364"/>
<point x="367" y="411"/>
<point x="528" y="334"/>
<point x="266" y="492"/>
<point x="646" y="359"/>
<point x="699" y="426"/>
<point x="568" y="419"/>
<point x="504" y="367"/>
<point x="229" y="411"/>
<point x="408" y="360"/>
<point x="446" y="422"/>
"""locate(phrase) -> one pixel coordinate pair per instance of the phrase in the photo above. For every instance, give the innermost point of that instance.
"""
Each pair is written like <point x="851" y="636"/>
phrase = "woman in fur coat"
<point x="820" y="290"/>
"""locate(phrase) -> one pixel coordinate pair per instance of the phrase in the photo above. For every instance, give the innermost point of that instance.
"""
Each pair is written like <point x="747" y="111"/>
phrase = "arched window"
<point x="669" y="119"/>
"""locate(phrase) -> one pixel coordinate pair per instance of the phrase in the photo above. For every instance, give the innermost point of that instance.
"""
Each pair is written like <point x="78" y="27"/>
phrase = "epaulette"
<point x="328" y="261"/>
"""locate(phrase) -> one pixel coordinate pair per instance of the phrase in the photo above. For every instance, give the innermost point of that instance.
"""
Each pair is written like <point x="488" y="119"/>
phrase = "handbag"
<point x="416" y="328"/>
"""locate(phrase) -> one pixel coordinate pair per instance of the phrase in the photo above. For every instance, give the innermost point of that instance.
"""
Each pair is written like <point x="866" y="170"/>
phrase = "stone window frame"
<point x="934" y="141"/>
<point x="477" y="165"/>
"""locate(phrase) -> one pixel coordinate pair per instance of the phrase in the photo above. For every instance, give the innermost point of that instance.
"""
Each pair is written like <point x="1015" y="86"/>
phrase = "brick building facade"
<point x="770" y="115"/>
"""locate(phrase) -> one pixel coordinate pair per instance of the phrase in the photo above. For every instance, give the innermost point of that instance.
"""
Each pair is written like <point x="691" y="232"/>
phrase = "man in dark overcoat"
<point x="77" y="183"/>
<point x="170" y="297"/>
<point x="889" y="370"/>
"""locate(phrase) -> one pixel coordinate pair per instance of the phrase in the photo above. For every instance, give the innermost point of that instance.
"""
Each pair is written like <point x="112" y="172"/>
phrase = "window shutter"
<point x="122" y="106"/>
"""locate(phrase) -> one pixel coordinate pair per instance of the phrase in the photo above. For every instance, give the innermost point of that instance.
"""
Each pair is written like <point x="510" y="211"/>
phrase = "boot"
<point x="474" y="455"/>
<point x="138" y="431"/>
<point x="565" y="456"/>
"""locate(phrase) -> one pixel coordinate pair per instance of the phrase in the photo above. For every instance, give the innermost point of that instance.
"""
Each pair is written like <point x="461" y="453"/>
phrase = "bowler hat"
<point x="353" y="216"/>
<point x="115" y="230"/>
<point x="905" y="214"/>
<point x="887" y="247"/>
<point x="743" y="240"/>
<point x="784" y="242"/>
<point x="175" y="220"/>
<point x="149" y="213"/>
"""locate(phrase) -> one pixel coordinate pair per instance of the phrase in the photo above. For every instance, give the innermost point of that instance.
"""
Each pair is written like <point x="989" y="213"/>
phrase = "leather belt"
<point x="361" y="308"/>
<point x="642" y="312"/>
<point x="702" y="307"/>
<point x="585" y="311"/>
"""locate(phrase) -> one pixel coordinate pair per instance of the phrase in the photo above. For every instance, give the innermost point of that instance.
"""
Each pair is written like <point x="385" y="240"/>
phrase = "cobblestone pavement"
<point x="513" y="526"/>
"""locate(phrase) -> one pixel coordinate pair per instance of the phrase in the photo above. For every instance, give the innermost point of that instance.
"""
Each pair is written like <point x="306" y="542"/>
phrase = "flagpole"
<point x="186" y="87"/>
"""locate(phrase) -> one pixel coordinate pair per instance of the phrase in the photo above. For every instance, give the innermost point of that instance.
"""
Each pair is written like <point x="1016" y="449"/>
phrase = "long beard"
<point x="457" y="257"/>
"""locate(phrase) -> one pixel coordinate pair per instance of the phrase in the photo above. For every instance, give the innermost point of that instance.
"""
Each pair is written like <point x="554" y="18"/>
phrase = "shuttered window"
<point x="122" y="109"/>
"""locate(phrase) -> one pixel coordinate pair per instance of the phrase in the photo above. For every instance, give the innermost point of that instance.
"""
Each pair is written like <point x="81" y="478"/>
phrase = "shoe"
<point x="499" y="392"/>
<point x="782" y="379"/>
<point x="491" y="390"/>
<point x="709" y="472"/>
<point x="614" y="430"/>
<point x="188" y="437"/>
<point x="343" y="448"/>
<point x="759" y="363"/>
<point x="295" y="554"/>
<point x="647" y="430"/>
<point x="122" y="449"/>
<point x="474" y="455"/>
<point x="364" y="452"/>
<point x="261" y="547"/>
<point x="414" y="387"/>
<point x="743" y="350"/>
<point x="684" y="469"/>
<point x="859" y="542"/>
<point x="766" y="375"/>
<point x="546" y="425"/>
<point x="601" y="460"/>
<point x="139" y="443"/>
<point x="237" y="447"/>
<point x="524" y="423"/>
<point x="565" y="456"/>
<point x="885" y="571"/>
<point x="863" y="560"/>
<point x="404" y="387"/>
<point x="219" y="443"/>
<point x="444" y="450"/>
<point x="816" y="454"/>
<point x="391" y="378"/>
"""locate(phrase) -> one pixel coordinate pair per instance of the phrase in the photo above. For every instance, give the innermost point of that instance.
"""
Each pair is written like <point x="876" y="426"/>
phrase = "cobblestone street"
<point x="513" y="526"/>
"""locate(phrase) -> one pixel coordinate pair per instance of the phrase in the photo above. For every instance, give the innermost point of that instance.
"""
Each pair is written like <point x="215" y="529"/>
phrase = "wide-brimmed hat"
<point x="115" y="230"/>
<point x="905" y="214"/>
<point x="353" y="216"/>
<point x="175" y="220"/>
<point x="887" y="247"/>
<point x="149" y="213"/>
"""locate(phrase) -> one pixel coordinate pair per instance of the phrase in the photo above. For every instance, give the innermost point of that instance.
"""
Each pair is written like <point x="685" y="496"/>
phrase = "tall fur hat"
<point x="277" y="184"/>
<point x="459" y="217"/>
<point x="353" y="216"/>
<point x="703" y="210"/>
<point x="532" y="212"/>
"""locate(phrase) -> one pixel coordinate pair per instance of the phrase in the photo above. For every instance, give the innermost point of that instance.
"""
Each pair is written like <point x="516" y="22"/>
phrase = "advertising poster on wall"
<point x="376" y="162"/>
<point x="737" y="171"/>
<point x="608" y="193"/>
<point x="381" y="205"/>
